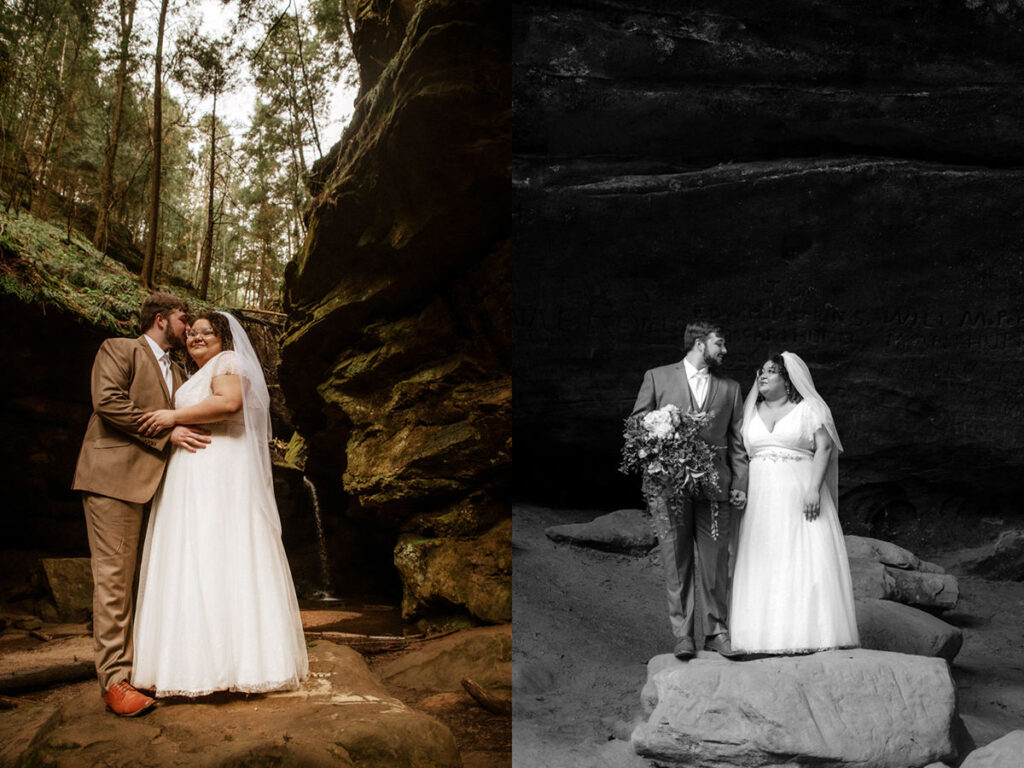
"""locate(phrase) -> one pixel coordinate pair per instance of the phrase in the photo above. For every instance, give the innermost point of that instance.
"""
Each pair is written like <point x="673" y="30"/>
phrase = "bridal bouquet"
<point x="666" y="447"/>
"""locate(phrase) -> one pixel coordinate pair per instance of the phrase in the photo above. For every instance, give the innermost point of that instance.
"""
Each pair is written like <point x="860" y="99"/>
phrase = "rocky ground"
<point x="402" y="707"/>
<point x="588" y="621"/>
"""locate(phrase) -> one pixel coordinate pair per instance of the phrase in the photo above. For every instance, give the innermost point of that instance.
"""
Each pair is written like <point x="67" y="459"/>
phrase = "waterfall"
<point x="324" y="593"/>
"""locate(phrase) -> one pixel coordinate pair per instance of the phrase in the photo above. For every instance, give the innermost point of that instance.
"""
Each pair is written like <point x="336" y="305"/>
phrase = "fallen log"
<point x="486" y="699"/>
<point x="368" y="643"/>
<point x="41" y="677"/>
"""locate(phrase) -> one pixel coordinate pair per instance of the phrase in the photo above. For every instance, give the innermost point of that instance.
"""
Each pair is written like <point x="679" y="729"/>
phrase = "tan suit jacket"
<point x="668" y="384"/>
<point x="115" y="460"/>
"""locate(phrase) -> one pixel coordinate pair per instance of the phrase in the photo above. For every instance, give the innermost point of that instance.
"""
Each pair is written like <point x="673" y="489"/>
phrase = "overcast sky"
<point x="236" y="108"/>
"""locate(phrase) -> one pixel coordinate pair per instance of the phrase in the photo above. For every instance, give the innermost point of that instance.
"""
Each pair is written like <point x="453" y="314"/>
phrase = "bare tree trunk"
<point x="99" y="236"/>
<point x="158" y="141"/>
<point x="17" y="184"/>
<point x="305" y="82"/>
<point x="204" y="284"/>
<point x="261" y="284"/>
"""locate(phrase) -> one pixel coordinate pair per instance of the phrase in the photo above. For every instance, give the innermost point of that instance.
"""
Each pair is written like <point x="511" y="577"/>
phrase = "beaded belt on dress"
<point x="782" y="454"/>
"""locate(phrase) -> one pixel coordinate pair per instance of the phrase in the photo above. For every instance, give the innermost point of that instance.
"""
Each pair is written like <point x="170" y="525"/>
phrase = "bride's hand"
<point x="156" y="421"/>
<point x="812" y="504"/>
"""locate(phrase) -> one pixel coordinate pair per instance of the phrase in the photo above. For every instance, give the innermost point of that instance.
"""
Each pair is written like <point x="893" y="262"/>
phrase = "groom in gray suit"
<point x="696" y="565"/>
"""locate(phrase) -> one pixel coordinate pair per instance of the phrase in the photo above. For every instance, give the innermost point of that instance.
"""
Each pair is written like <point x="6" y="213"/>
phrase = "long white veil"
<point x="256" y="409"/>
<point x="800" y="376"/>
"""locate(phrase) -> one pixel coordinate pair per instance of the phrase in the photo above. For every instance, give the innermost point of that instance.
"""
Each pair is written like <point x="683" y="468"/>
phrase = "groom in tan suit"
<point x="118" y="472"/>
<point x="696" y="565"/>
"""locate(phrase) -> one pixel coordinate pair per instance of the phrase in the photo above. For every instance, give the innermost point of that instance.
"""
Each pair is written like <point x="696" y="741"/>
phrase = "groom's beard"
<point x="714" y="363"/>
<point x="175" y="341"/>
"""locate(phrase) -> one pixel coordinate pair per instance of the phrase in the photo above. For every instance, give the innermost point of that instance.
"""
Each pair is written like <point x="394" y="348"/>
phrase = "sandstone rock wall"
<point x="397" y="355"/>
<point x="838" y="179"/>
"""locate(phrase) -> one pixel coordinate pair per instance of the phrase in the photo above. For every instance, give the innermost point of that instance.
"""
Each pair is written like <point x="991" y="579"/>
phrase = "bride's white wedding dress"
<point x="216" y="606"/>
<point x="791" y="589"/>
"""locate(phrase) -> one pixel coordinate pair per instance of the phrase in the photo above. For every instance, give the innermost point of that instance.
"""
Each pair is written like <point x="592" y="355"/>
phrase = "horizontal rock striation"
<point x="838" y="180"/>
<point x="397" y="355"/>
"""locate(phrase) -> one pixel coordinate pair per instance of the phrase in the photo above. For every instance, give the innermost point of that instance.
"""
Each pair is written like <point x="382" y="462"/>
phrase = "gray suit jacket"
<point x="724" y="402"/>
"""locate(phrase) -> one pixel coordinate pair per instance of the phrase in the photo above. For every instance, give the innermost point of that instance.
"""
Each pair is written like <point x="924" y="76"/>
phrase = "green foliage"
<point x="59" y="61"/>
<point x="37" y="265"/>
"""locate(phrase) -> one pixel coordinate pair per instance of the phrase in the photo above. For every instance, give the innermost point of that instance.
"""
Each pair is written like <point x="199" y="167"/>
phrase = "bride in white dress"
<point x="217" y="609"/>
<point x="791" y="589"/>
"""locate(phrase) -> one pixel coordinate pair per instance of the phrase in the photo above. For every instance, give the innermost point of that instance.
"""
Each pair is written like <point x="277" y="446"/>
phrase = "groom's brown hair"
<point x="699" y="330"/>
<point x="159" y="303"/>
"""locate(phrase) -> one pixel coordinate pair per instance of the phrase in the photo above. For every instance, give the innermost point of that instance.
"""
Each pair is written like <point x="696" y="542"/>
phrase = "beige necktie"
<point x="165" y="365"/>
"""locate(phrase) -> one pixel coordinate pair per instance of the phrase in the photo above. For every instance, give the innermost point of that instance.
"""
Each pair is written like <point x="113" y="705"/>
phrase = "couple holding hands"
<point x="776" y="453"/>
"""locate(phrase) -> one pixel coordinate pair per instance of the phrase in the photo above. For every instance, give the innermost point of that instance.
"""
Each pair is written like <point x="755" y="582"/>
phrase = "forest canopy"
<point x="177" y="135"/>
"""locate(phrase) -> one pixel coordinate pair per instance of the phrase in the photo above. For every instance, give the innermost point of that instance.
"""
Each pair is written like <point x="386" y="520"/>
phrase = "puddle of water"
<point x="355" y="618"/>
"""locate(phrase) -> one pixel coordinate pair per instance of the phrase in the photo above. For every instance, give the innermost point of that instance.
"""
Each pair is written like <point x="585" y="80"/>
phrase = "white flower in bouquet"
<point x="663" y="422"/>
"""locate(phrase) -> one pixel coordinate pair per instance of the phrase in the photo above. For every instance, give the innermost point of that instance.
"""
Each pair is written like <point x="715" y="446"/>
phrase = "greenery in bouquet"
<point x="665" y="446"/>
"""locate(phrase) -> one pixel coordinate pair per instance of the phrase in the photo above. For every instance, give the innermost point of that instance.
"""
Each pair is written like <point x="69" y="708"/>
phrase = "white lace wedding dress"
<point x="791" y="588"/>
<point x="216" y="607"/>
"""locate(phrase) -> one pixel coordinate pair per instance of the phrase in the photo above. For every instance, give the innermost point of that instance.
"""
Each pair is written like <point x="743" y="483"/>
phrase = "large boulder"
<point x="934" y="591"/>
<point x="625" y="530"/>
<point x="888" y="626"/>
<point x="341" y="716"/>
<point x="888" y="553"/>
<point x="396" y="358"/>
<point x="868" y="709"/>
<point x="471" y="572"/>
<point x="1006" y="752"/>
<point x="69" y="580"/>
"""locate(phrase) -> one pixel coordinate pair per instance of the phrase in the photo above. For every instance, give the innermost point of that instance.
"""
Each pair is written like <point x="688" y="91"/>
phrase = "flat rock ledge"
<point x="625" y="530"/>
<point x="838" y="709"/>
<point x="341" y="716"/>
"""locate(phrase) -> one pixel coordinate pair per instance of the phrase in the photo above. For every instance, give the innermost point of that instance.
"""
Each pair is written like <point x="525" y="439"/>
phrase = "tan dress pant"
<point x="114" y="528"/>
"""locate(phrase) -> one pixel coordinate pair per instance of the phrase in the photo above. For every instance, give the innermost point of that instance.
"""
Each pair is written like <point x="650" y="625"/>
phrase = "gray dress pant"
<point x="696" y="566"/>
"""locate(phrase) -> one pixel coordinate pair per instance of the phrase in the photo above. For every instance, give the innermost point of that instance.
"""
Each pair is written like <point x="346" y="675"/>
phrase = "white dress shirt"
<point x="698" y="381"/>
<point x="164" y="358"/>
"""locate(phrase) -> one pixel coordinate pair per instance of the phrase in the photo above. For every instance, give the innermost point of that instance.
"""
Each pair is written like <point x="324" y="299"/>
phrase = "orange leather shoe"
<point x="122" y="699"/>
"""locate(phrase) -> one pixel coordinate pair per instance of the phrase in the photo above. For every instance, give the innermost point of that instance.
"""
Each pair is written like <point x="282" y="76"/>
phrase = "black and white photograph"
<point x="768" y="384"/>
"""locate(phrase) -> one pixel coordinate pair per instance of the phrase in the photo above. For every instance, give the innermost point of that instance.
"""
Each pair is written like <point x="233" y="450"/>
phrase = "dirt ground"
<point x="586" y="623"/>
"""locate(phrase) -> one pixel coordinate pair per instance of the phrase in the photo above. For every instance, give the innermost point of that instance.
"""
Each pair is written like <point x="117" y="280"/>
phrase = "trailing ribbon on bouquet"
<point x="676" y="463"/>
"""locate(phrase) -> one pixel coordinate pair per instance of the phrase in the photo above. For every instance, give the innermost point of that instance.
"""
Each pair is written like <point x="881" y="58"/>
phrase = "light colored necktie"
<point x="700" y="386"/>
<point x="165" y="365"/>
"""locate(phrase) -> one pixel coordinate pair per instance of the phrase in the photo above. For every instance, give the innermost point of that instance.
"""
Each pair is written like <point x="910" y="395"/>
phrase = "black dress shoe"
<point x="720" y="644"/>
<point x="685" y="649"/>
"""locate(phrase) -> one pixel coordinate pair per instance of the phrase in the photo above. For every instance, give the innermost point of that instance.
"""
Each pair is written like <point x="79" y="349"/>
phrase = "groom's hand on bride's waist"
<point x="192" y="439"/>
<point x="737" y="498"/>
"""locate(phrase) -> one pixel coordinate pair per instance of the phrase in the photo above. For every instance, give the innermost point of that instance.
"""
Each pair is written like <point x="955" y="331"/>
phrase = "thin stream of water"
<point x="325" y="593"/>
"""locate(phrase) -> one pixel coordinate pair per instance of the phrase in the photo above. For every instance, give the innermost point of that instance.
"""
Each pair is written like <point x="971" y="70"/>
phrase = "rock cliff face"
<point x="837" y="180"/>
<point x="45" y="407"/>
<point x="397" y="355"/>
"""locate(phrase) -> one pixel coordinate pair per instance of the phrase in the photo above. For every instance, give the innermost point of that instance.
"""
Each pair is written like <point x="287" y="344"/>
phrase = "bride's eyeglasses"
<point x="767" y="371"/>
<point x="191" y="334"/>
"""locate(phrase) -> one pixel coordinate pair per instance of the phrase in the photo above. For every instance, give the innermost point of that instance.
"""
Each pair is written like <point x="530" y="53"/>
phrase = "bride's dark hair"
<point x="221" y="329"/>
<point x="791" y="392"/>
